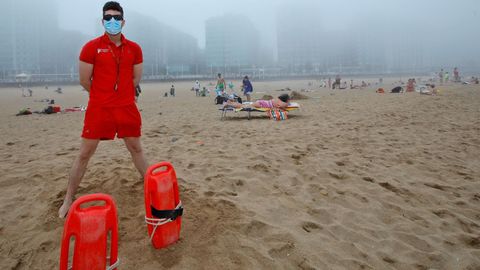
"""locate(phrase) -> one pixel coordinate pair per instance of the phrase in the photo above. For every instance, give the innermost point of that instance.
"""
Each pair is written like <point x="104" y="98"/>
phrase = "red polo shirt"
<point x="112" y="78"/>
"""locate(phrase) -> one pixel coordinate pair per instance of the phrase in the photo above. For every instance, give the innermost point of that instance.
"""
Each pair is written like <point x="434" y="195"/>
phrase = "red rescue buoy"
<point x="162" y="205"/>
<point x="90" y="227"/>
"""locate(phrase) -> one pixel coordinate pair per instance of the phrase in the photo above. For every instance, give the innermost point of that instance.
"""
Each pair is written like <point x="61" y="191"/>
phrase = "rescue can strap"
<point x="168" y="214"/>
<point x="163" y="217"/>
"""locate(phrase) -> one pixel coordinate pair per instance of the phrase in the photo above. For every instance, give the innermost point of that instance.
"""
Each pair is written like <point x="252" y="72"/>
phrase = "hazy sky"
<point x="190" y="15"/>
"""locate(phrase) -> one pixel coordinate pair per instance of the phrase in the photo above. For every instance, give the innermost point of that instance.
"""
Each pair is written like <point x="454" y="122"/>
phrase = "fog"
<point x="296" y="36"/>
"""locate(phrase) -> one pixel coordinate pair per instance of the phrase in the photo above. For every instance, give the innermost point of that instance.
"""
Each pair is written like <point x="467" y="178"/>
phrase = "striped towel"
<point x="277" y="114"/>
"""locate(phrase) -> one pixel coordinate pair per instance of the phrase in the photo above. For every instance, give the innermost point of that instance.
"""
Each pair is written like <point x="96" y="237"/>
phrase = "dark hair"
<point x="112" y="5"/>
<point x="246" y="77"/>
<point x="219" y="74"/>
<point x="284" y="98"/>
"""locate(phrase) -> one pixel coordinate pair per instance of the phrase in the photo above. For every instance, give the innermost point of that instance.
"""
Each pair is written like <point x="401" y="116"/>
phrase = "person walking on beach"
<point x="110" y="68"/>
<point x="440" y="75"/>
<point x="220" y="87"/>
<point x="456" y="75"/>
<point x="172" y="91"/>
<point x="196" y="87"/>
<point x="247" y="88"/>
<point x="337" y="82"/>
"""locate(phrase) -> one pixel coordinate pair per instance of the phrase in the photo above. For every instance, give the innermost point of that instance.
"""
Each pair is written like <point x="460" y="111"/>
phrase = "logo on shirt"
<point x="102" y="51"/>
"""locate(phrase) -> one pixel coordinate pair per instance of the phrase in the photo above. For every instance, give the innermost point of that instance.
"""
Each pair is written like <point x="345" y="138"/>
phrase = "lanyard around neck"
<point x="118" y="60"/>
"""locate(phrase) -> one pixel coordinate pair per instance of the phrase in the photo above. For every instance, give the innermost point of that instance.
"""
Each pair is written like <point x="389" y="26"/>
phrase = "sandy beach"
<point x="352" y="180"/>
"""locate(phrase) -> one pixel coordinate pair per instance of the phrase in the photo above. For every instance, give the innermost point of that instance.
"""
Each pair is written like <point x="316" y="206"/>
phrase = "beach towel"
<point x="277" y="115"/>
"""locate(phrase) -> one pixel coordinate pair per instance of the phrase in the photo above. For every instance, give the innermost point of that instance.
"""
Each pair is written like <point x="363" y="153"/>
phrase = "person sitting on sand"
<point x="204" y="92"/>
<point x="280" y="103"/>
<point x="411" y="85"/>
<point x="432" y="91"/>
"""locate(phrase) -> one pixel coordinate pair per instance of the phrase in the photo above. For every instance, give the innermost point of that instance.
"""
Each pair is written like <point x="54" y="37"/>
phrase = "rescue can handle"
<point x="94" y="197"/>
<point x="153" y="170"/>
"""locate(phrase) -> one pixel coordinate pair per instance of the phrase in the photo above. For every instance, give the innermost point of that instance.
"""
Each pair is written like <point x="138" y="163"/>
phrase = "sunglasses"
<point x="108" y="17"/>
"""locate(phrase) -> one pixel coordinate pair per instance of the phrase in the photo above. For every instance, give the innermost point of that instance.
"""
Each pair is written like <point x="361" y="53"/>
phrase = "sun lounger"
<point x="226" y="108"/>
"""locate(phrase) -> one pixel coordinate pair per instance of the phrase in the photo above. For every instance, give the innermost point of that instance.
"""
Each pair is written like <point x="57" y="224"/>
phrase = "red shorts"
<point x="103" y="123"/>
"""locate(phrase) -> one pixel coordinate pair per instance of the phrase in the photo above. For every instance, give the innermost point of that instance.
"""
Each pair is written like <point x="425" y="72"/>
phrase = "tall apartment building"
<point x="300" y="40"/>
<point x="20" y="30"/>
<point x="231" y="43"/>
<point x="166" y="50"/>
<point x="32" y="42"/>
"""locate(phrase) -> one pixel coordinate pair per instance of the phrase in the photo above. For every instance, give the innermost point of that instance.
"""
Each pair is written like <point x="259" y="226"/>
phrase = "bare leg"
<point x="87" y="149"/>
<point x="233" y="104"/>
<point x="135" y="148"/>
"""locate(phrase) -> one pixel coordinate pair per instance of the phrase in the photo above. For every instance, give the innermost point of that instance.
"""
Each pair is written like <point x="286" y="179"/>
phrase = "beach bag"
<point x="277" y="115"/>
<point x="397" y="90"/>
<point x="49" y="110"/>
<point x="219" y="100"/>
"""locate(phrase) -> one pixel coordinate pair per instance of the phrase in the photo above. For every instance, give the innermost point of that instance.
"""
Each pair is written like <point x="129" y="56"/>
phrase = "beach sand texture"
<point x="352" y="180"/>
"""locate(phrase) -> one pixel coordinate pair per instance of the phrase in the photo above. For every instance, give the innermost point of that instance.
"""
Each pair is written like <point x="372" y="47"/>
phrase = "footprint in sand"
<point x="368" y="179"/>
<point x="283" y="251"/>
<point x="310" y="226"/>
<point x="472" y="242"/>
<point x="390" y="187"/>
<point x="209" y="193"/>
<point x="388" y="260"/>
<point x="340" y="163"/>
<point x="436" y="186"/>
<point x="255" y="228"/>
<point x="339" y="176"/>
<point x="47" y="246"/>
<point x="240" y="183"/>
<point x="230" y="193"/>
<point x="260" y="167"/>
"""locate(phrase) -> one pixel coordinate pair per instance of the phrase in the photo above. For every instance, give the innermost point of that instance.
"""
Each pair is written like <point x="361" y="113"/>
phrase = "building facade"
<point x="231" y="43"/>
<point x="166" y="50"/>
<point x="32" y="43"/>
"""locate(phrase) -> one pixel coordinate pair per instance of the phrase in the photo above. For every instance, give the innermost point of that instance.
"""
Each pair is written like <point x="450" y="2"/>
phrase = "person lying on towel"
<point x="280" y="103"/>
